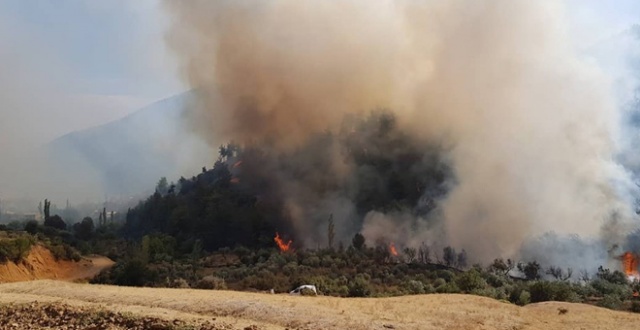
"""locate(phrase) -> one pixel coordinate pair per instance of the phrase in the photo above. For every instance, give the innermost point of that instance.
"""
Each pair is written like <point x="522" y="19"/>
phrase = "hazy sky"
<point x="70" y="64"/>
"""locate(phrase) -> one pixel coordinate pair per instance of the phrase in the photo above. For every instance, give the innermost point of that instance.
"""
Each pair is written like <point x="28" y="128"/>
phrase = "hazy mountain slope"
<point x="129" y="155"/>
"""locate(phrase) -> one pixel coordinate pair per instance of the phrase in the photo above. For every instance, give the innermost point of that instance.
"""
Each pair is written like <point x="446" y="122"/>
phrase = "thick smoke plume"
<point x="527" y="125"/>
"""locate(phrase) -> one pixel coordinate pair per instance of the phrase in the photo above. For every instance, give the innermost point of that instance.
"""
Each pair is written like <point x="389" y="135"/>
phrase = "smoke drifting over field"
<point x="527" y="126"/>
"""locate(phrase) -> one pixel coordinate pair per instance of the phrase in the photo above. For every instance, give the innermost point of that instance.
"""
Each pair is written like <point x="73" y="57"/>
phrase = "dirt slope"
<point x="41" y="264"/>
<point x="283" y="311"/>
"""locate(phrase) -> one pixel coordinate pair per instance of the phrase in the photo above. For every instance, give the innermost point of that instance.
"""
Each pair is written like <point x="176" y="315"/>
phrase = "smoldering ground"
<point x="528" y="127"/>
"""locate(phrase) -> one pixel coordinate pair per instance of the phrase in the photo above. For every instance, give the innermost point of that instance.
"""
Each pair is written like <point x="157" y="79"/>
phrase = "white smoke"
<point x="534" y="124"/>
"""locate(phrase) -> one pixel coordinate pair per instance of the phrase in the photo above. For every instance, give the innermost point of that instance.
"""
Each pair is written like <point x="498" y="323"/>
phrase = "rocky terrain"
<point x="61" y="316"/>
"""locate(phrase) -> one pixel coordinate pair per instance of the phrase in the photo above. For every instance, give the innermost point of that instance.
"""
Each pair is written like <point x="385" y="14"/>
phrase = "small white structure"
<point x="299" y="289"/>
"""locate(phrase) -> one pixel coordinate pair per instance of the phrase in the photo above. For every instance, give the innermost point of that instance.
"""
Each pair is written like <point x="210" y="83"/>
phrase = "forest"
<point x="230" y="227"/>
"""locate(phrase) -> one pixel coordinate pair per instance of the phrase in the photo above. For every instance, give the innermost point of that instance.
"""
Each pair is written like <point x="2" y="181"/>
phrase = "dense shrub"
<point x="610" y="301"/>
<point x="31" y="227"/>
<point x="55" y="222"/>
<point x="604" y="287"/>
<point x="133" y="272"/>
<point x="635" y="306"/>
<point x="415" y="287"/>
<point x="359" y="287"/>
<point x="524" y="298"/>
<point x="470" y="281"/>
<point x="211" y="283"/>
<point x="63" y="251"/>
<point x="15" y="249"/>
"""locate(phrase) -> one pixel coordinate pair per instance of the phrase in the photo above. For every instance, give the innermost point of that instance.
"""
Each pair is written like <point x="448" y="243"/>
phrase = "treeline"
<point x="202" y="209"/>
<point x="65" y="242"/>
<point x="366" y="271"/>
<point x="243" y="199"/>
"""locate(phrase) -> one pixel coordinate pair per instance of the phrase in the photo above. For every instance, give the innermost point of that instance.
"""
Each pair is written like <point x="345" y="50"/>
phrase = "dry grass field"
<point x="267" y="311"/>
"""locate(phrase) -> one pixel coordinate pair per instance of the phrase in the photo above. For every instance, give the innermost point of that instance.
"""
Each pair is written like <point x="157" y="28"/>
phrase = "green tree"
<point x="615" y="277"/>
<point x="470" y="281"/>
<point x="55" y="222"/>
<point x="449" y="256"/>
<point x="47" y="209"/>
<point x="531" y="270"/>
<point x="410" y="253"/>
<point x="499" y="266"/>
<point x="84" y="229"/>
<point x="462" y="259"/>
<point x="331" y="232"/>
<point x="358" y="241"/>
<point x="31" y="227"/>
<point x="162" y="187"/>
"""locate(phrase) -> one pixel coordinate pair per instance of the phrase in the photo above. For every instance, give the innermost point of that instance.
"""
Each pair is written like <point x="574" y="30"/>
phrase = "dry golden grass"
<point x="294" y="312"/>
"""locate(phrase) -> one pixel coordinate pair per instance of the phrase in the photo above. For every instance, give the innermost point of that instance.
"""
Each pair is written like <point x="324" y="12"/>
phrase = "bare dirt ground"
<point x="41" y="264"/>
<point x="242" y="310"/>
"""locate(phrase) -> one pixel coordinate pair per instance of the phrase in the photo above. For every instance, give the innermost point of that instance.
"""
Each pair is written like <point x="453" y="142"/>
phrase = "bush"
<point x="359" y="287"/>
<point x="610" y="301"/>
<point x="615" y="277"/>
<point x="524" y="298"/>
<point x="604" y="287"/>
<point x="180" y="283"/>
<point x="31" y="227"/>
<point x="496" y="281"/>
<point x="211" y="283"/>
<point x="448" y="288"/>
<point x="439" y="282"/>
<point x="414" y="287"/>
<point x="63" y="251"/>
<point x="133" y="273"/>
<point x="470" y="281"/>
<point x="55" y="222"/>
<point x="311" y="261"/>
<point x="635" y="306"/>
<point x="446" y="275"/>
<point x="15" y="249"/>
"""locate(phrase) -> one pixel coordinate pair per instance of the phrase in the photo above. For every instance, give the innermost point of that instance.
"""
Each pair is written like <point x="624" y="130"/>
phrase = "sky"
<point x="68" y="65"/>
<point x="72" y="64"/>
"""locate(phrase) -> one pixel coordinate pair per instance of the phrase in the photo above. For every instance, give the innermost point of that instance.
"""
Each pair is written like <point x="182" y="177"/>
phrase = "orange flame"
<point x="392" y="249"/>
<point x="281" y="245"/>
<point x="630" y="264"/>
<point x="238" y="163"/>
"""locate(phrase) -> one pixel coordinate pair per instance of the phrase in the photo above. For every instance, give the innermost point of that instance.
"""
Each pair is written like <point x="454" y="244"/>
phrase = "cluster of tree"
<point x="65" y="242"/>
<point x="242" y="199"/>
<point x="362" y="271"/>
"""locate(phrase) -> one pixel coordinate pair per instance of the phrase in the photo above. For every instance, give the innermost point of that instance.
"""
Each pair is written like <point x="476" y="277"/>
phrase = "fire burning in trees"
<point x="284" y="247"/>
<point x="630" y="265"/>
<point x="392" y="249"/>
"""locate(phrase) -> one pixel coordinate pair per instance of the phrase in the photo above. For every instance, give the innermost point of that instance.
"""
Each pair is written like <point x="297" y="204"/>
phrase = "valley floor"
<point x="243" y="310"/>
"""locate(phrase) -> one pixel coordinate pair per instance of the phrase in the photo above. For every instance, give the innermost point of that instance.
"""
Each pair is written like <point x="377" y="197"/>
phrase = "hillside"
<point x="129" y="155"/>
<point x="41" y="264"/>
<point x="266" y="311"/>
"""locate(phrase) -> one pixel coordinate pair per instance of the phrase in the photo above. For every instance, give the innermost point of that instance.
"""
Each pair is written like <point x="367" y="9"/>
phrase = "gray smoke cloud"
<point x="530" y="126"/>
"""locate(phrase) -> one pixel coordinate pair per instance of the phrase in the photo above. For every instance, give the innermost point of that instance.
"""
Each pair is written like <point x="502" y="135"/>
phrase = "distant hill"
<point x="129" y="155"/>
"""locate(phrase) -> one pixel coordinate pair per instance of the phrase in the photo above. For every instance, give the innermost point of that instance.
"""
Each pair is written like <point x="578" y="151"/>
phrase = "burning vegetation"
<point x="464" y="153"/>
<point x="630" y="265"/>
<point x="392" y="249"/>
<point x="284" y="247"/>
